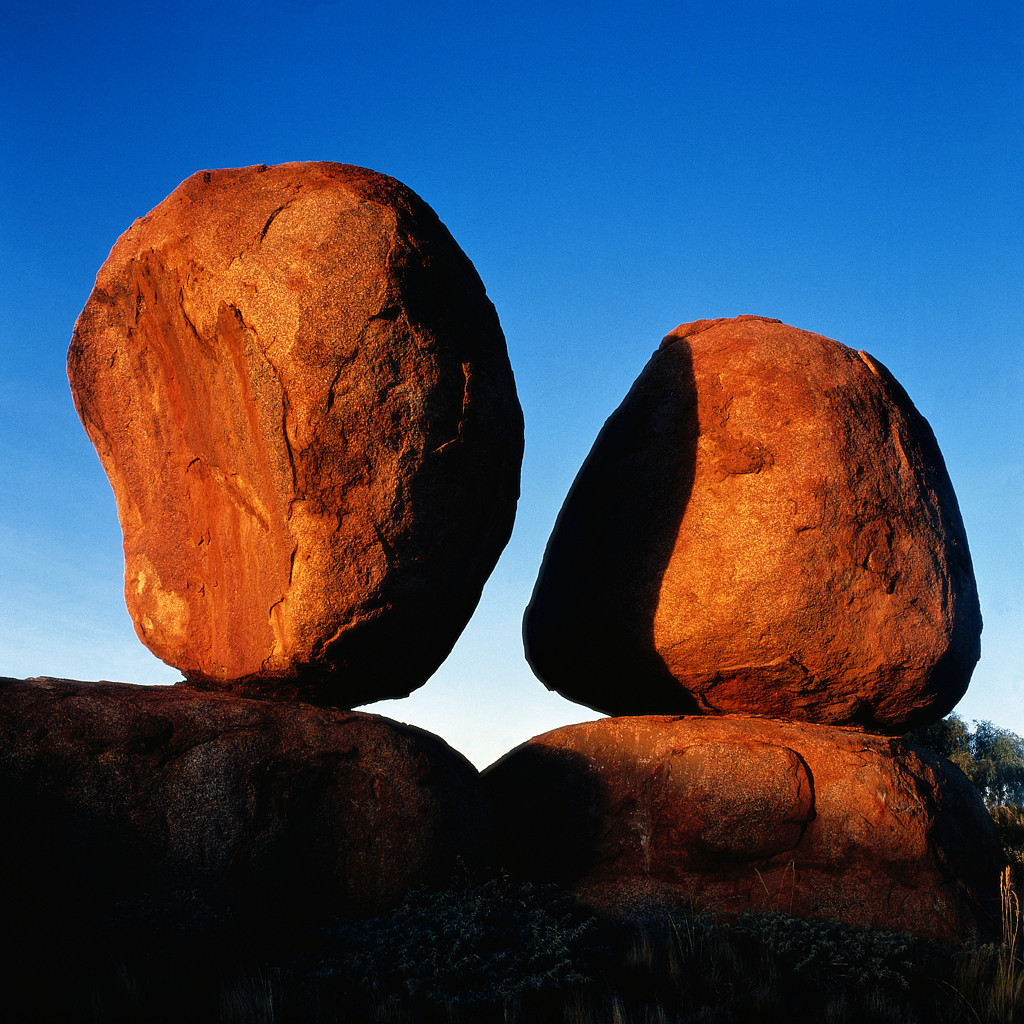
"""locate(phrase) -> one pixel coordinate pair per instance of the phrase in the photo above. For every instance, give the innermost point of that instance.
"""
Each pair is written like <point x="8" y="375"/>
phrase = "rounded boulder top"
<point x="302" y="398"/>
<point x="764" y="526"/>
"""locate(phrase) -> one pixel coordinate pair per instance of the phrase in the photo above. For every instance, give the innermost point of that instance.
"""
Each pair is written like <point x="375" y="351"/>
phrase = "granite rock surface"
<point x="302" y="398"/>
<point x="765" y="526"/>
<point x="109" y="791"/>
<point x="738" y="814"/>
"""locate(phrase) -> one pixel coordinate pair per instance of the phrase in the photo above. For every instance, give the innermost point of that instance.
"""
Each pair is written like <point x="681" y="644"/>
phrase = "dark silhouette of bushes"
<point x="490" y="943"/>
<point x="501" y="953"/>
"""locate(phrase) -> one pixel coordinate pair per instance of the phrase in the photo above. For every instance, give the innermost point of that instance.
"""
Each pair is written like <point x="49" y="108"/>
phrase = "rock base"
<point x="109" y="791"/>
<point x="738" y="814"/>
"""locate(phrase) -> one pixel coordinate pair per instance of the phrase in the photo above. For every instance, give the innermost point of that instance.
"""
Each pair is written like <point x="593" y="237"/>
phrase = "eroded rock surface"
<point x="743" y="814"/>
<point x="765" y="526"/>
<point x="302" y="398"/>
<point x="109" y="791"/>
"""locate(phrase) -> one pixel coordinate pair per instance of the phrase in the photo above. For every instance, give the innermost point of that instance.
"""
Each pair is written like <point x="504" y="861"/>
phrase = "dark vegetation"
<point x="501" y="952"/>
<point x="993" y="759"/>
<point x="496" y="950"/>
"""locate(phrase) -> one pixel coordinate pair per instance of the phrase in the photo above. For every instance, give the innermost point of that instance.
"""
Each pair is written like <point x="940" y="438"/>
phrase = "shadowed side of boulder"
<point x="739" y="814"/>
<point x="109" y="791"/>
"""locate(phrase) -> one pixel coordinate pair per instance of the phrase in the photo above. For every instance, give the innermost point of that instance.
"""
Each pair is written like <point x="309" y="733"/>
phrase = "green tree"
<point x="992" y="758"/>
<point x="999" y="765"/>
<point x="949" y="737"/>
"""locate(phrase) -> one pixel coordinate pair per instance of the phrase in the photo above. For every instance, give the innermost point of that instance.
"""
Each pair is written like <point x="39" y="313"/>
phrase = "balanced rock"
<point x="302" y="398"/>
<point x="736" y="814"/>
<point x="109" y="791"/>
<point x="765" y="526"/>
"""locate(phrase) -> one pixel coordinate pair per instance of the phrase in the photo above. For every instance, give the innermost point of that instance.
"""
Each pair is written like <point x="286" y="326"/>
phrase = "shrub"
<point x="491" y="943"/>
<point x="827" y="951"/>
<point x="1010" y="825"/>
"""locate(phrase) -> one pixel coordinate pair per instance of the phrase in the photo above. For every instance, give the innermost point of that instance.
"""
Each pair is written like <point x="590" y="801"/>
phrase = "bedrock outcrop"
<point x="302" y="398"/>
<point x="109" y="791"/>
<point x="765" y="526"/>
<point x="738" y="814"/>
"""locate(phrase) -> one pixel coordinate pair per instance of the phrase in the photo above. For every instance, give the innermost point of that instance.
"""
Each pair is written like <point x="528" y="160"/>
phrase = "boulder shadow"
<point x="611" y="545"/>
<point x="548" y="809"/>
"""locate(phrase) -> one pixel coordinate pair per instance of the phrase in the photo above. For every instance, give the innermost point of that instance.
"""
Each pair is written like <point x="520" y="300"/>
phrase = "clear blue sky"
<point x="612" y="170"/>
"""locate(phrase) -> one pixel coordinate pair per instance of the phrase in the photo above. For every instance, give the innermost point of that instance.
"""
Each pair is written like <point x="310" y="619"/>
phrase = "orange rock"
<point x="741" y="814"/>
<point x="302" y="398"/>
<point x="764" y="526"/>
<point x="109" y="791"/>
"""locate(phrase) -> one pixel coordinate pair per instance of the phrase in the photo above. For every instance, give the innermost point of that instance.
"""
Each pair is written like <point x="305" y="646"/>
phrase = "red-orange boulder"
<point x="739" y="814"/>
<point x="109" y="791"/>
<point x="302" y="398"/>
<point x="765" y="526"/>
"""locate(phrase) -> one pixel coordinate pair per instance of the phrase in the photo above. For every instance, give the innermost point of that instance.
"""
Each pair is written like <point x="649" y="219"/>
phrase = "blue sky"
<point x="612" y="170"/>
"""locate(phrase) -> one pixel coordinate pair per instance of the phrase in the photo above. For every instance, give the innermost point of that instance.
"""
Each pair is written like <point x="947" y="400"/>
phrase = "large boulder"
<point x="765" y="526"/>
<point x="110" y="791"/>
<point x="738" y="814"/>
<point x="302" y="398"/>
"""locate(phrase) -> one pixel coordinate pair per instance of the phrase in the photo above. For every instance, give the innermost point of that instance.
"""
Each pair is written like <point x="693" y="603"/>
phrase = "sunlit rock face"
<point x="282" y="810"/>
<point x="738" y="814"/>
<point x="302" y="398"/>
<point x="765" y="526"/>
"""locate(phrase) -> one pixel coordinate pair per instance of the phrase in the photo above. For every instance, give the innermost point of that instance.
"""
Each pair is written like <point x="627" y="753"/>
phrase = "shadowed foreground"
<point x="502" y="952"/>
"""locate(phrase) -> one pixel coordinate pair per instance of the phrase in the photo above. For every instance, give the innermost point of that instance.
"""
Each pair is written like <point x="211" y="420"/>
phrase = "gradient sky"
<point x="612" y="170"/>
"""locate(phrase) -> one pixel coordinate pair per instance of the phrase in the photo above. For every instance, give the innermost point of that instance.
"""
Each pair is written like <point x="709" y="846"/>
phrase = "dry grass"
<point x="990" y="980"/>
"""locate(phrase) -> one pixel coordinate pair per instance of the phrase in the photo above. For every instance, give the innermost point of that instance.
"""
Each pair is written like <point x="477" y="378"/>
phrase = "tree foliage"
<point x="992" y="758"/>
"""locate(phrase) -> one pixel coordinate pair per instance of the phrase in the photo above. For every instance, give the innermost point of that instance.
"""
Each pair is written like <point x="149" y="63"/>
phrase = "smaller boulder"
<point x="738" y="814"/>
<point x="109" y="791"/>
<point x="765" y="526"/>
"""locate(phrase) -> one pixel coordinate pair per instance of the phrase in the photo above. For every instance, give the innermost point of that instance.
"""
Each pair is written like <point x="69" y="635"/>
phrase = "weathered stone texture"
<point x="765" y="526"/>
<point x="743" y="814"/>
<point x="109" y="791"/>
<point x="302" y="398"/>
